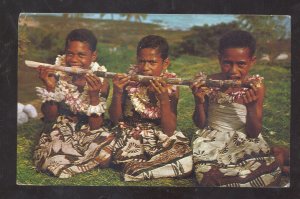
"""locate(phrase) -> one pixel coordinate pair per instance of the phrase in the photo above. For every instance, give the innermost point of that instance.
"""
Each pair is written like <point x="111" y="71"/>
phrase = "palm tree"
<point x="135" y="17"/>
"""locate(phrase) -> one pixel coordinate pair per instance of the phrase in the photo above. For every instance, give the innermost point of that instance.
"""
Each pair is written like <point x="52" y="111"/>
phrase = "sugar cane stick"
<point x="141" y="78"/>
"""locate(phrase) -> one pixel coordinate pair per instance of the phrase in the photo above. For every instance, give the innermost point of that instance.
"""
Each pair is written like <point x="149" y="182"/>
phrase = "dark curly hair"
<point x="82" y="35"/>
<point x="155" y="42"/>
<point x="237" y="39"/>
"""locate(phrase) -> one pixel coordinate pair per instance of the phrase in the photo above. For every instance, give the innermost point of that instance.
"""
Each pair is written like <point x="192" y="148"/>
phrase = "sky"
<point x="177" y="21"/>
<point x="170" y="21"/>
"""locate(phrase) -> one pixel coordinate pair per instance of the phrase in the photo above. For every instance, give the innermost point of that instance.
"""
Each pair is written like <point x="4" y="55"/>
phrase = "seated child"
<point x="229" y="150"/>
<point x="147" y="143"/>
<point x="73" y="139"/>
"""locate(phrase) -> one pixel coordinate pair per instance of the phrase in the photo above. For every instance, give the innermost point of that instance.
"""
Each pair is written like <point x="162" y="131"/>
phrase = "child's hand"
<point x="160" y="88"/>
<point x="48" y="77"/>
<point x="251" y="96"/>
<point x="94" y="87"/>
<point x="119" y="81"/>
<point x="198" y="92"/>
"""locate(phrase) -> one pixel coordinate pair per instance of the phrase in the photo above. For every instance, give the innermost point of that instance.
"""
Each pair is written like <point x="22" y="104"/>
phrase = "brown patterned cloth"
<point x="145" y="152"/>
<point x="64" y="151"/>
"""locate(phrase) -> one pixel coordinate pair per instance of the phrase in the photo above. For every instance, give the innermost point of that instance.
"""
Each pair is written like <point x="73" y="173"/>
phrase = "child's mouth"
<point x="234" y="77"/>
<point x="146" y="74"/>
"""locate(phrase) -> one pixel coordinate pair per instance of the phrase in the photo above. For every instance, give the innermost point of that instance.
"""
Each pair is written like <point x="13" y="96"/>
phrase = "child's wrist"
<point x="164" y="99"/>
<point x="118" y="91"/>
<point x="94" y="101"/>
<point x="199" y="100"/>
<point x="50" y="88"/>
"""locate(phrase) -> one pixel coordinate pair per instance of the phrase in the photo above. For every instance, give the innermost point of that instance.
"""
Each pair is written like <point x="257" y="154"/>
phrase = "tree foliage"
<point x="135" y="17"/>
<point x="204" y="40"/>
<point x="264" y="28"/>
<point x="271" y="33"/>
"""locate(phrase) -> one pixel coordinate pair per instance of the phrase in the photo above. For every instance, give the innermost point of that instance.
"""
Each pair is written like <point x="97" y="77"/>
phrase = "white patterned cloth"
<point x="224" y="156"/>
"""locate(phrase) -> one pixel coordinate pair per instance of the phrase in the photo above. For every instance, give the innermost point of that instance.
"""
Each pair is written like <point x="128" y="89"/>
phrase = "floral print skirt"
<point x="145" y="152"/>
<point x="63" y="151"/>
<point x="231" y="159"/>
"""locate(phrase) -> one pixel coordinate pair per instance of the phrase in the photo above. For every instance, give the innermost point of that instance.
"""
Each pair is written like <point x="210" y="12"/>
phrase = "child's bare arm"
<point x="199" y="115"/>
<point x="253" y="100"/>
<point x="94" y="87"/>
<point x="168" y="106"/>
<point x="115" y="109"/>
<point x="48" y="108"/>
<point x="105" y="89"/>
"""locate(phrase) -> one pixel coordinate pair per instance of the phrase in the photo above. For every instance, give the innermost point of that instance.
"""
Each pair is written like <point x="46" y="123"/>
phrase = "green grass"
<point x="276" y="105"/>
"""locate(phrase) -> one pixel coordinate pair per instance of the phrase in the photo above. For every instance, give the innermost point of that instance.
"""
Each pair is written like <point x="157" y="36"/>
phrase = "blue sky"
<point x="177" y="21"/>
<point x="169" y="21"/>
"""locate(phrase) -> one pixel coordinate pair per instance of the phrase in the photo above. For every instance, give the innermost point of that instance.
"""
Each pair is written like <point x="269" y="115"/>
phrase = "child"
<point x="73" y="139"/>
<point x="229" y="150"/>
<point x="147" y="144"/>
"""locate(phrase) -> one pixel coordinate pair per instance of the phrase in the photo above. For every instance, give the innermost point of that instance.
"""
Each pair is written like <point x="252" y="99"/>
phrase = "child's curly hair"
<point x="83" y="35"/>
<point x="155" y="42"/>
<point x="237" y="39"/>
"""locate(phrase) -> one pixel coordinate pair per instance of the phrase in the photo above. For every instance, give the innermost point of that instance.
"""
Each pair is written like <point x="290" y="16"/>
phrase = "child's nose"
<point x="233" y="68"/>
<point x="74" y="59"/>
<point x="146" y="65"/>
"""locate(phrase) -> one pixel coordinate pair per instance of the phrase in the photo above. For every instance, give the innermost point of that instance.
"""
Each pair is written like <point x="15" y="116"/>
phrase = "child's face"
<point x="79" y="54"/>
<point x="150" y="62"/>
<point x="236" y="62"/>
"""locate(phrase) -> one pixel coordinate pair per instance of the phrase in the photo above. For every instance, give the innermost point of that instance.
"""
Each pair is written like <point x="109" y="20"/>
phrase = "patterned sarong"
<point x="145" y="152"/>
<point x="224" y="156"/>
<point x="63" y="151"/>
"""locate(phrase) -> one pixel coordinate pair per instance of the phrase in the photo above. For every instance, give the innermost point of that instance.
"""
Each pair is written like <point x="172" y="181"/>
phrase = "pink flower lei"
<point x="139" y="98"/>
<point x="216" y="95"/>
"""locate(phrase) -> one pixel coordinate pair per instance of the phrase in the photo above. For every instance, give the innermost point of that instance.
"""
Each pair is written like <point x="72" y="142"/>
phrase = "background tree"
<point x="135" y="17"/>
<point x="272" y="33"/>
<point x="204" y="40"/>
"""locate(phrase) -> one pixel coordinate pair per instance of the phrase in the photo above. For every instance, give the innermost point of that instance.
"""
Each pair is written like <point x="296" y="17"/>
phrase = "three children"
<point x="145" y="144"/>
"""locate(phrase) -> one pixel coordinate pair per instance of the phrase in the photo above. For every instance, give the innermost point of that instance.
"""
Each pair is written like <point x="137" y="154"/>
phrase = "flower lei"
<point x="139" y="98"/>
<point x="77" y="102"/>
<point x="220" y="97"/>
<point x="61" y="61"/>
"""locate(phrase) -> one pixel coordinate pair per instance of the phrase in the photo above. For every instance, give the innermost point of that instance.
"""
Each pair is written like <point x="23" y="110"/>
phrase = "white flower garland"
<point x="60" y="61"/>
<point x="64" y="91"/>
<point x="140" y="100"/>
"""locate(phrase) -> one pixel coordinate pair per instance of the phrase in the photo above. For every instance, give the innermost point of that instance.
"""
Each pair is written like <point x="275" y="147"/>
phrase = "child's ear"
<point x="220" y="58"/>
<point x="94" y="56"/>
<point x="252" y="61"/>
<point x="166" y="63"/>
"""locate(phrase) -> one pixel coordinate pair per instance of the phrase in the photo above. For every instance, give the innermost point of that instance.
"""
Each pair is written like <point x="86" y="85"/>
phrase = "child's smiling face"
<point x="150" y="62"/>
<point x="236" y="62"/>
<point x="79" y="54"/>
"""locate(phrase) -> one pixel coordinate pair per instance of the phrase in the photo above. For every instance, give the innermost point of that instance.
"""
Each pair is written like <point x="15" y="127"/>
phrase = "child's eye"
<point x="241" y="64"/>
<point x="82" y="55"/>
<point x="227" y="63"/>
<point x="141" y="61"/>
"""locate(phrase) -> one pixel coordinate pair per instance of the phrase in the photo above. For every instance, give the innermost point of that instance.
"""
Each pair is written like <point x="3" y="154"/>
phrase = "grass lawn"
<point x="276" y="126"/>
